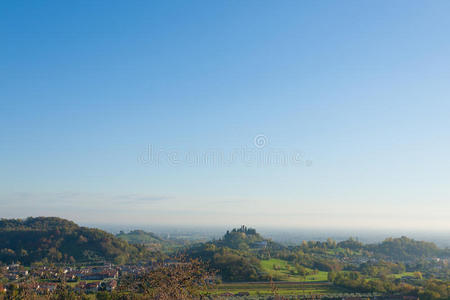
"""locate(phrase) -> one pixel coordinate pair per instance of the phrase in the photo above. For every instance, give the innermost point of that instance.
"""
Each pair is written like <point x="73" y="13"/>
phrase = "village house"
<point x="81" y="286"/>
<point x="109" y="285"/>
<point x="13" y="267"/>
<point x="92" y="287"/>
<point x="100" y="275"/>
<point x="12" y="276"/>
<point x="47" y="287"/>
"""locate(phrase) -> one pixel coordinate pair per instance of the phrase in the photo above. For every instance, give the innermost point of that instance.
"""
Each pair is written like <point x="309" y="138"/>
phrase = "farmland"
<point x="282" y="270"/>
<point x="283" y="288"/>
<point x="286" y="282"/>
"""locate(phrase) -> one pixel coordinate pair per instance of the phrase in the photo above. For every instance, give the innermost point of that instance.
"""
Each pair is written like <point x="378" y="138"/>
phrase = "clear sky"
<point x="276" y="113"/>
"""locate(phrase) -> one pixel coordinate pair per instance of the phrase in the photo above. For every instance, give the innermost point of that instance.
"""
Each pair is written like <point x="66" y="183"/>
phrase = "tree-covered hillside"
<point x="139" y="237"/>
<point x="152" y="241"/>
<point x="406" y="249"/>
<point x="236" y="256"/>
<point x="243" y="255"/>
<point x="241" y="238"/>
<point x="50" y="239"/>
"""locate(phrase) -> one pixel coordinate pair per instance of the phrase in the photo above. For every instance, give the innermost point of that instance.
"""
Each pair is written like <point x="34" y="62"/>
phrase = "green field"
<point x="404" y="274"/>
<point x="283" y="288"/>
<point x="281" y="270"/>
<point x="286" y="280"/>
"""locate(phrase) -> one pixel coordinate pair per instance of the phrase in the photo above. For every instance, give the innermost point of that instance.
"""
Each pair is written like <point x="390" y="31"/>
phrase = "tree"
<point x="331" y="276"/>
<point x="181" y="280"/>
<point x="418" y="275"/>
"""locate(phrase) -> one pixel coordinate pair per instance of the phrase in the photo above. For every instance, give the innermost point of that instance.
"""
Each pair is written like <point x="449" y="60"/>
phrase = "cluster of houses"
<point x="14" y="272"/>
<point x="44" y="279"/>
<point x="95" y="286"/>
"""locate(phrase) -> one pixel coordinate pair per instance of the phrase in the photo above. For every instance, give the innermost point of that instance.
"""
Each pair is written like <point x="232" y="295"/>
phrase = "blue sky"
<point x="352" y="95"/>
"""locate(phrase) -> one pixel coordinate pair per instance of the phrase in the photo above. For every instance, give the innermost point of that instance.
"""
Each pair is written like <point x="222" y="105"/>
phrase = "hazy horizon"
<point x="312" y="115"/>
<point x="286" y="235"/>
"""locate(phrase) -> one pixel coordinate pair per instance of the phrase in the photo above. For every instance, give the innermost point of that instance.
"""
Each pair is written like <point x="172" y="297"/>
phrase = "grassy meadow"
<point x="281" y="270"/>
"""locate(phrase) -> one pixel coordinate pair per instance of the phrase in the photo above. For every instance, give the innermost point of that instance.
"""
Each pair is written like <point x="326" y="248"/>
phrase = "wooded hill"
<point x="236" y="254"/>
<point x="51" y="239"/>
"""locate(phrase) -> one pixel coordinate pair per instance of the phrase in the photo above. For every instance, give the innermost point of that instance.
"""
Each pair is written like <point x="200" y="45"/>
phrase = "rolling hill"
<point x="51" y="239"/>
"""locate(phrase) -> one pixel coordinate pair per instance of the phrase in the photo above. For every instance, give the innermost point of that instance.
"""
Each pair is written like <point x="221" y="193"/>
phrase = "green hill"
<point x="152" y="241"/>
<point x="241" y="239"/>
<point x="51" y="239"/>
<point x="236" y="256"/>
<point x="404" y="249"/>
<point x="140" y="237"/>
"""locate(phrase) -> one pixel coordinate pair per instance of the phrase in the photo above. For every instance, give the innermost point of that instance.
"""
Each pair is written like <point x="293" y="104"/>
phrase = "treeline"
<point x="52" y="239"/>
<point x="431" y="289"/>
<point x="153" y="241"/>
<point x="406" y="249"/>
<point x="231" y="264"/>
<point x="392" y="249"/>
<point x="238" y="254"/>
